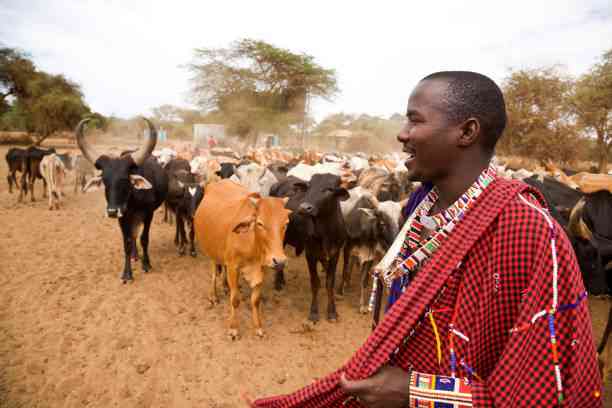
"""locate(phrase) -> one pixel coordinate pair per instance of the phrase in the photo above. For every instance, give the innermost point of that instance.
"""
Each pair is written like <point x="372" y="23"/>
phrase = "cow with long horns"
<point x="135" y="186"/>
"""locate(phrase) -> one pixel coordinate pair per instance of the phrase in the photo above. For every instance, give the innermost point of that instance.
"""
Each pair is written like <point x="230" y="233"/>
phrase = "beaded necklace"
<point x="415" y="251"/>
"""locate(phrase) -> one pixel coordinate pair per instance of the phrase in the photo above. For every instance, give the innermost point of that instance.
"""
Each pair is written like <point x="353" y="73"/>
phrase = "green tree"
<point x="16" y="70"/>
<point x="36" y="101"/>
<point x="540" y="121"/>
<point x="54" y="104"/>
<point x="255" y="86"/>
<point x="592" y="102"/>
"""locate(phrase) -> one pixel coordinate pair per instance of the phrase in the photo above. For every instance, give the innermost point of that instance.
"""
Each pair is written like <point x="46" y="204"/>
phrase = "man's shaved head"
<point x="470" y="94"/>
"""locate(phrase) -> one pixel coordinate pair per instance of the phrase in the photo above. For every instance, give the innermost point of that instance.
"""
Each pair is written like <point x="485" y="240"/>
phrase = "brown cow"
<point x="244" y="232"/>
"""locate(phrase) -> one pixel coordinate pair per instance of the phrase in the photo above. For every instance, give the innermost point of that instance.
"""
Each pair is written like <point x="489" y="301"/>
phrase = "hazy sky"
<point x="127" y="54"/>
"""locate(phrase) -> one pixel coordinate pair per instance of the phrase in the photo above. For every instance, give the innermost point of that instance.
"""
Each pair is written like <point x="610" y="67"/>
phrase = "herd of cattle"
<point x="243" y="210"/>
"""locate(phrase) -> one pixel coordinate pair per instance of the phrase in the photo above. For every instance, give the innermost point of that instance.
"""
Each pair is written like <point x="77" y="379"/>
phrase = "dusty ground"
<point x="72" y="335"/>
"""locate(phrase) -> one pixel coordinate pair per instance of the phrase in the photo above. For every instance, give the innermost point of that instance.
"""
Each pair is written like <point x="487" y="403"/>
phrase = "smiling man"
<point x="487" y="306"/>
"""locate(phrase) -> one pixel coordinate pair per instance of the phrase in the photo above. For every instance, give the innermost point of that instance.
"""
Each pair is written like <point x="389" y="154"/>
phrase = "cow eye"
<point x="260" y="224"/>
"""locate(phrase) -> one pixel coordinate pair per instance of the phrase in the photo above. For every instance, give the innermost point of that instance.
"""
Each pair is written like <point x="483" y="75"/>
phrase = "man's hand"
<point x="388" y="388"/>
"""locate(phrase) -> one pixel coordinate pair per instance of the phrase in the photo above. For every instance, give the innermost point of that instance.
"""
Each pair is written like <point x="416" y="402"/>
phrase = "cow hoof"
<point x="233" y="334"/>
<point x="313" y="317"/>
<point x="363" y="310"/>
<point x="339" y="296"/>
<point x="332" y="316"/>
<point x="259" y="333"/>
<point x="193" y="254"/>
<point x="213" y="301"/>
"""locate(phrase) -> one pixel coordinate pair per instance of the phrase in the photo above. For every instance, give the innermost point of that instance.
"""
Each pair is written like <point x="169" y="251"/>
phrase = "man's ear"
<point x="470" y="132"/>
<point x="244" y="225"/>
<point x="92" y="184"/>
<point x="140" y="183"/>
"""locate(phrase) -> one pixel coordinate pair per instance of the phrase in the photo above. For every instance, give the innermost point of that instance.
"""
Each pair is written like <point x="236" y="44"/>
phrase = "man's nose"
<point x="403" y="134"/>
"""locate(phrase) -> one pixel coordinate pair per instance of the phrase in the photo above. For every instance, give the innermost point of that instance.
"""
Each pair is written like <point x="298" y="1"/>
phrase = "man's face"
<point x="427" y="136"/>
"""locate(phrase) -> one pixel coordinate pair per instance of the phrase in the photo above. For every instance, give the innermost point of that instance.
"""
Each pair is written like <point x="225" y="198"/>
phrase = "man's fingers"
<point x="352" y="387"/>
<point x="247" y="399"/>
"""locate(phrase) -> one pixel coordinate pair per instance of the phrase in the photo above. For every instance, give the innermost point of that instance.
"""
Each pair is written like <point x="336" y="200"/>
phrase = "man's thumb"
<point x="351" y="387"/>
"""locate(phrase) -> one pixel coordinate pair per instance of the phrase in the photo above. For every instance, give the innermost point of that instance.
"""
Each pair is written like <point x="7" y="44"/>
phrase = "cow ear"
<point x="140" y="183"/>
<point x="245" y="225"/>
<point x="342" y="193"/>
<point x="101" y="162"/>
<point x="254" y="198"/>
<point x="92" y="184"/>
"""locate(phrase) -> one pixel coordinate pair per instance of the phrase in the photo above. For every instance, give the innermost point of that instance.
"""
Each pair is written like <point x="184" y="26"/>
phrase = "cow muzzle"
<point x="306" y="209"/>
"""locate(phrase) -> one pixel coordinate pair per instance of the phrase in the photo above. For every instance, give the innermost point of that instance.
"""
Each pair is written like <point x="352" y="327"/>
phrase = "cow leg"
<point x="23" y="190"/>
<point x="222" y="270"/>
<point x="213" y="284"/>
<point x="192" y="239"/>
<point x="44" y="188"/>
<point x="9" y="178"/>
<point x="128" y="242"/>
<point x="232" y="280"/>
<point x="144" y="242"/>
<point x="315" y="283"/>
<point x="50" y="195"/>
<point x="180" y="226"/>
<point x="365" y="279"/>
<point x="330" y="283"/>
<point x="347" y="269"/>
<point x="31" y="185"/>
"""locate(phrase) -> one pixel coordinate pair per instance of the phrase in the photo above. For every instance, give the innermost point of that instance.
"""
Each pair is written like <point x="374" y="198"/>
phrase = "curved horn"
<point x="145" y="151"/>
<point x="88" y="151"/>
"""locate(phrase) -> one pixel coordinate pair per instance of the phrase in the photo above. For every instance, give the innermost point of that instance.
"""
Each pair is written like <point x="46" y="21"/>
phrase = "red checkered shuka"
<point x="495" y="275"/>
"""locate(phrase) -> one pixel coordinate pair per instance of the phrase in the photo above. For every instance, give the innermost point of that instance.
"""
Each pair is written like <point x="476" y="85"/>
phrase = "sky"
<point x="129" y="55"/>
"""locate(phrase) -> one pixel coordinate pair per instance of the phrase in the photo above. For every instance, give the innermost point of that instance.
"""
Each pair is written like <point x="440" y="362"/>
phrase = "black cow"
<point x="16" y="160"/>
<point x="316" y="225"/>
<point x="227" y="170"/>
<point x="32" y="171"/>
<point x="135" y="185"/>
<point x="594" y="254"/>
<point x="559" y="197"/>
<point x="184" y="196"/>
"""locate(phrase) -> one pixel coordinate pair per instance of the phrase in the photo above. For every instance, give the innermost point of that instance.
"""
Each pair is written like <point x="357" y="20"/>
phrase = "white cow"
<point x="256" y="178"/>
<point x="53" y="171"/>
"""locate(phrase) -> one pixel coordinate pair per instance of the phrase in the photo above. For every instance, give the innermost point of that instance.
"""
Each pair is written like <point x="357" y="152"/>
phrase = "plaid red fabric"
<point x="496" y="270"/>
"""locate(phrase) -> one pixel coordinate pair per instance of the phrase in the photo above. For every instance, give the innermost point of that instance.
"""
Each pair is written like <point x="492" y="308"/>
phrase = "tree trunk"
<point x="603" y="152"/>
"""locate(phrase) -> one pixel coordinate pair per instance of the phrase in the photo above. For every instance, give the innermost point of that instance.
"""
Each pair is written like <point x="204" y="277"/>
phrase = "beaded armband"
<point x="449" y="392"/>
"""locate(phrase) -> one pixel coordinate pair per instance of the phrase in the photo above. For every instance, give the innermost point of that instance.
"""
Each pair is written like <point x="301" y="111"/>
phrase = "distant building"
<point x="202" y="132"/>
<point x="347" y="140"/>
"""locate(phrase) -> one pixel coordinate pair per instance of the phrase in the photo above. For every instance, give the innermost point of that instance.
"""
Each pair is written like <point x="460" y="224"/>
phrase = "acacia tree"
<point x="16" y="70"/>
<point x="34" y="100"/>
<point x="540" y="120"/>
<point x="592" y="102"/>
<point x="256" y="86"/>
